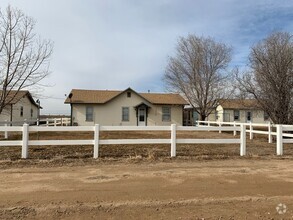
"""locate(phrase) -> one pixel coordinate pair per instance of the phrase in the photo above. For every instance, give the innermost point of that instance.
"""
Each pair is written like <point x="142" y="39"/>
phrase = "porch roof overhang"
<point x="142" y="104"/>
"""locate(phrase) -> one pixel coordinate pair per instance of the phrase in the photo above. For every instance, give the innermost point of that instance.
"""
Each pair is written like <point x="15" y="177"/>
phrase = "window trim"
<point x="236" y="110"/>
<point x="86" y="113"/>
<point x="122" y="116"/>
<point x="164" y="114"/>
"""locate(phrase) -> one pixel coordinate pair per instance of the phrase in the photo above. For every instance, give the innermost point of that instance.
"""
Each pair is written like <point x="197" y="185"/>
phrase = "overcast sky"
<point x="116" y="44"/>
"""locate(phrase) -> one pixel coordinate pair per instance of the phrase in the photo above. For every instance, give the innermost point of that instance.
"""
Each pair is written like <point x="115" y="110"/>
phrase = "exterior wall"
<point x="5" y="114"/>
<point x="27" y="106"/>
<point x="212" y="116"/>
<point x="111" y="112"/>
<point x="155" y="115"/>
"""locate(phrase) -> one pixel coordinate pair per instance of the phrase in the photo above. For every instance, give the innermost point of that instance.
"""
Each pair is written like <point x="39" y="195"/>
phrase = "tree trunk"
<point x="202" y="117"/>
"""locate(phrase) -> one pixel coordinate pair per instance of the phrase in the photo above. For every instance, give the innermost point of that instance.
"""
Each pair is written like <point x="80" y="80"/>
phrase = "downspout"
<point x="71" y="122"/>
<point x="11" y="109"/>
<point x="146" y="116"/>
<point x="136" y="116"/>
<point x="70" y="96"/>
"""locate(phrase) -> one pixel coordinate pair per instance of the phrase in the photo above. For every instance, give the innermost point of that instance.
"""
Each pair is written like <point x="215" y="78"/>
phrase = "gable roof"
<point x="17" y="95"/>
<point x="239" y="103"/>
<point x="80" y="96"/>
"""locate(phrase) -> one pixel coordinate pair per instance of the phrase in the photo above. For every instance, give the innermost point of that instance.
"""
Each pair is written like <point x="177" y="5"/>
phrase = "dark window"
<point x="21" y="111"/>
<point x="128" y="94"/>
<point x="266" y="116"/>
<point x="125" y="113"/>
<point x="236" y="115"/>
<point x="89" y="116"/>
<point x="248" y="116"/>
<point x="166" y="113"/>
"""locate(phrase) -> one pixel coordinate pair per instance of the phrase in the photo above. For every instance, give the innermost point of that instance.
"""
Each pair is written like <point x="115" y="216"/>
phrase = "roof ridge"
<point x="99" y="90"/>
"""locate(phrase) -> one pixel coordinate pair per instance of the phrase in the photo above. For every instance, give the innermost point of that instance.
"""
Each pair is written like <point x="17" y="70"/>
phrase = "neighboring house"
<point x="229" y="110"/>
<point x="245" y="110"/>
<point x="108" y="107"/>
<point x="22" y="106"/>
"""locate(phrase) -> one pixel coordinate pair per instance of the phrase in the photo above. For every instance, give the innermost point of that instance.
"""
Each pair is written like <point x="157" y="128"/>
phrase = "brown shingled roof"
<point x="14" y="96"/>
<point x="239" y="104"/>
<point x="103" y="96"/>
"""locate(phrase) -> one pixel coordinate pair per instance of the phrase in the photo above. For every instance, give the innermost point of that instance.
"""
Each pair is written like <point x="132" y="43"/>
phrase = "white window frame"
<point x="89" y="116"/>
<point x="166" y="116"/>
<point x="125" y="115"/>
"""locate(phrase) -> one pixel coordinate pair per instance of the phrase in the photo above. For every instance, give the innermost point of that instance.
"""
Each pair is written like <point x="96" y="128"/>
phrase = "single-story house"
<point x="240" y="110"/>
<point x="21" y="106"/>
<point x="128" y="107"/>
<point x="229" y="110"/>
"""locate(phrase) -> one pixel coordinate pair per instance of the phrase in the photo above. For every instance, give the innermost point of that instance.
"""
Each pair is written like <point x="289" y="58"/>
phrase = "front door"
<point x="142" y="116"/>
<point x="249" y="116"/>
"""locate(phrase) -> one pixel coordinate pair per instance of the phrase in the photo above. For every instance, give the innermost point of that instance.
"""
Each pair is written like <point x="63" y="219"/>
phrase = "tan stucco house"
<point x="128" y="107"/>
<point x="240" y="110"/>
<point x="21" y="106"/>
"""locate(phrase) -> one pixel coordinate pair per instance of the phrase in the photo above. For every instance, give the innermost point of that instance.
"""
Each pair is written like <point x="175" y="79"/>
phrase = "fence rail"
<point x="280" y="131"/>
<point x="25" y="142"/>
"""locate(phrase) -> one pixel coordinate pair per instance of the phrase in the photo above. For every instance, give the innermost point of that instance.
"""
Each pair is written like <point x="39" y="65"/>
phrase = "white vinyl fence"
<point x="25" y="142"/>
<point x="39" y="122"/>
<point x="251" y="128"/>
<point x="280" y="131"/>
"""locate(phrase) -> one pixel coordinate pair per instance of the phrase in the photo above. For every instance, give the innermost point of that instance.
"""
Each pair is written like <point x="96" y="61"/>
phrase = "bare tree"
<point x="24" y="57"/>
<point x="198" y="71"/>
<point x="270" y="80"/>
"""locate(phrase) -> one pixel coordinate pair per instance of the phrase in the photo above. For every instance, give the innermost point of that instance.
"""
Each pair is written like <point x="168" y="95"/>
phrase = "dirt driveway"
<point x="219" y="189"/>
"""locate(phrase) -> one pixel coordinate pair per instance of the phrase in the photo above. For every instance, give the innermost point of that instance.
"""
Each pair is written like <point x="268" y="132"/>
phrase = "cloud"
<point x="115" y="44"/>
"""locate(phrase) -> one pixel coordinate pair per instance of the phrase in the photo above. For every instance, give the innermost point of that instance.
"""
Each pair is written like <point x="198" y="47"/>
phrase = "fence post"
<point x="235" y="132"/>
<point x="61" y="121"/>
<point x="209" y="125"/>
<point x="250" y="132"/>
<point x="55" y="122"/>
<point x="242" y="140"/>
<point x="47" y="122"/>
<point x="270" y="132"/>
<point x="25" y="137"/>
<point x="5" y="132"/>
<point x="173" y="140"/>
<point x="96" y="141"/>
<point x="279" y="139"/>
<point x="220" y="125"/>
<point x="38" y="122"/>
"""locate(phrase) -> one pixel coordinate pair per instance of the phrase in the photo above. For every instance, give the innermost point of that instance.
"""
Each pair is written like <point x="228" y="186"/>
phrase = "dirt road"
<point x="220" y="189"/>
